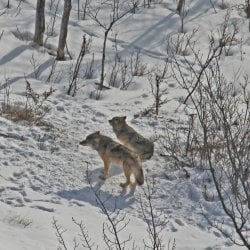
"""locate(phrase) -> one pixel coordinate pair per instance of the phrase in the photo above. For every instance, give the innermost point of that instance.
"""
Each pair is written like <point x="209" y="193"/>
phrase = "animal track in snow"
<point x="179" y="222"/>
<point x="46" y="209"/>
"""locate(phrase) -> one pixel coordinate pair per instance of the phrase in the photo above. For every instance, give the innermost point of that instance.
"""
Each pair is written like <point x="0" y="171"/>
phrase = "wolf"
<point x="113" y="152"/>
<point x="132" y="139"/>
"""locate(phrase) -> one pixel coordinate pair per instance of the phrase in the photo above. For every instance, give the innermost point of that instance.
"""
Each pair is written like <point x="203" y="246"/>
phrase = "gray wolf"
<point x="132" y="139"/>
<point x="113" y="152"/>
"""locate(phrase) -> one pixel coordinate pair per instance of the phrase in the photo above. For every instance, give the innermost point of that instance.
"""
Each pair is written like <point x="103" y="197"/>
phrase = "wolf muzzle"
<point x="83" y="143"/>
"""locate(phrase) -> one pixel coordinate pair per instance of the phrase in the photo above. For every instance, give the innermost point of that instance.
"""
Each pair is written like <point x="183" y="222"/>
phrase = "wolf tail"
<point x="139" y="176"/>
<point x="147" y="155"/>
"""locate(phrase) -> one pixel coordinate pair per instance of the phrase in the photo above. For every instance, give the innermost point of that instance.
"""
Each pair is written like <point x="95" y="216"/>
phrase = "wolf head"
<point x="91" y="140"/>
<point x="117" y="121"/>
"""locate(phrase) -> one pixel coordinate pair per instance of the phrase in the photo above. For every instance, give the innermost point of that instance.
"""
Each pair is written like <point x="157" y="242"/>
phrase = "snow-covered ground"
<point x="43" y="170"/>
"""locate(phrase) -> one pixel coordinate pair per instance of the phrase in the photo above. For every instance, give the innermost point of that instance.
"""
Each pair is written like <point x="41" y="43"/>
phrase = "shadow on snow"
<point x="111" y="200"/>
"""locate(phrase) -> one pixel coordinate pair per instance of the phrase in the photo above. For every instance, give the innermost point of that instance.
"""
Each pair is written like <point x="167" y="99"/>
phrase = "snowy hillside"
<point x="47" y="178"/>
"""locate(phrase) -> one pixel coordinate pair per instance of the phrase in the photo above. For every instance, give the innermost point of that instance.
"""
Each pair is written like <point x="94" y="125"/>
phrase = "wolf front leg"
<point x="106" y="163"/>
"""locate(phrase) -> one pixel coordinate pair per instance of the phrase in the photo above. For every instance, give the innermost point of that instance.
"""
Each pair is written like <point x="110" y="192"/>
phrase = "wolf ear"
<point x="97" y="132"/>
<point x="124" y="118"/>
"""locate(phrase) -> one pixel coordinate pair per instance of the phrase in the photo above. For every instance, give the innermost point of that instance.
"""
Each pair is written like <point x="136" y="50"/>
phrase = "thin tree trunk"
<point x="103" y="58"/>
<point x="248" y="8"/>
<point x="78" y="9"/>
<point x="40" y="23"/>
<point x="85" y="9"/>
<point x="64" y="30"/>
<point x="180" y="6"/>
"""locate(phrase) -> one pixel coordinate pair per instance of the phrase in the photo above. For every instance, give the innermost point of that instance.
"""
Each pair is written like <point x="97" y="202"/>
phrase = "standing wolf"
<point x="113" y="152"/>
<point x="131" y="139"/>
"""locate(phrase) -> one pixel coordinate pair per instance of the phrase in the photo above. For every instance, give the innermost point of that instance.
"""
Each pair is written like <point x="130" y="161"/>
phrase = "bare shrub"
<point x="84" y="235"/>
<point x="137" y="66"/>
<point x="14" y="111"/>
<point x="179" y="144"/>
<point x="126" y="76"/>
<point x="120" y="75"/>
<point x="51" y="4"/>
<point x="123" y="71"/>
<point x="85" y="240"/>
<point x="85" y="46"/>
<point x="50" y="26"/>
<point x="85" y="6"/>
<point x="134" y="5"/>
<point x="158" y="83"/>
<point x="223" y="5"/>
<point x="52" y="72"/>
<point x="180" y="43"/>
<point x="35" y="65"/>
<point x="59" y="234"/>
<point x="227" y="34"/>
<point x="222" y="134"/>
<point x="147" y="3"/>
<point x="22" y="221"/>
<point x="114" y="77"/>
<point x="97" y="92"/>
<point x="22" y="35"/>
<point x="32" y="111"/>
<point x="116" y="223"/>
<point x="90" y="67"/>
<point x="156" y="221"/>
<point x="34" y="100"/>
<point x="117" y="10"/>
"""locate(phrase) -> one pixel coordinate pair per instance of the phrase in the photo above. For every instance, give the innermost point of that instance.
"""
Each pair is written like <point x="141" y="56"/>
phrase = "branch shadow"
<point x="149" y="36"/>
<point x="38" y="73"/>
<point x="13" y="54"/>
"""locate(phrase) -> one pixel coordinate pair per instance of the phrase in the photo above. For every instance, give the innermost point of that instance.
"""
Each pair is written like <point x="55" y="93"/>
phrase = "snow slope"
<point x="43" y="171"/>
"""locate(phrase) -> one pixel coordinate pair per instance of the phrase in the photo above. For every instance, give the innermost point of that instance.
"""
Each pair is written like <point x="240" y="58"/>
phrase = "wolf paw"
<point x="123" y="185"/>
<point x="102" y="177"/>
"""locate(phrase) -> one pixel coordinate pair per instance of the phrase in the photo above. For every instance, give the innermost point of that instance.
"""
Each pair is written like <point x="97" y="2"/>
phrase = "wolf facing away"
<point x="113" y="152"/>
<point x="132" y="139"/>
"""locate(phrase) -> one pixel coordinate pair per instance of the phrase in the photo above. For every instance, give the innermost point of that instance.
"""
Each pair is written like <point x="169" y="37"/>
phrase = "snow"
<point x="43" y="170"/>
